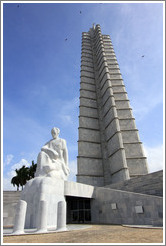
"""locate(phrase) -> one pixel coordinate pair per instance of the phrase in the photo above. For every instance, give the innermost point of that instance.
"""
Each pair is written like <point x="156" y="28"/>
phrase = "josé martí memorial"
<point x="113" y="184"/>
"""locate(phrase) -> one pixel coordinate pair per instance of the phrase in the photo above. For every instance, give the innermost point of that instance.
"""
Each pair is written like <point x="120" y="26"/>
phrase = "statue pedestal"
<point x="20" y="217"/>
<point x="46" y="205"/>
<point x="42" y="205"/>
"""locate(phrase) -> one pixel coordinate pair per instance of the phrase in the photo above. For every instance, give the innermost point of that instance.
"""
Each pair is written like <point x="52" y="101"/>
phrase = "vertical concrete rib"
<point x="115" y="165"/>
<point x="136" y="160"/>
<point x="109" y="147"/>
<point x="90" y="168"/>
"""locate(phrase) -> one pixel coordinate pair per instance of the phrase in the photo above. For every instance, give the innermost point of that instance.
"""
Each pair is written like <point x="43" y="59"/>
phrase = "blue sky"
<point x="41" y="74"/>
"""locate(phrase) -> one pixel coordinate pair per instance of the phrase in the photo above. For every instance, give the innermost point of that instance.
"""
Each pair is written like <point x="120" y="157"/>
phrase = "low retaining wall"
<point x="121" y="207"/>
<point x="151" y="184"/>
<point x="10" y="200"/>
<point x="108" y="206"/>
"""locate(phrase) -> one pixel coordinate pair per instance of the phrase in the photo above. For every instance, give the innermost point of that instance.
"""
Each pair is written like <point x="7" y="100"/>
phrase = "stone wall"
<point x="122" y="207"/>
<point x="10" y="200"/>
<point x="108" y="206"/>
<point x="109" y="147"/>
<point x="151" y="184"/>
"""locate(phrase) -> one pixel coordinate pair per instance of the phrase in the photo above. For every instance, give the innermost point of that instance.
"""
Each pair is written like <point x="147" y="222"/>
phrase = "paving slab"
<point x="93" y="234"/>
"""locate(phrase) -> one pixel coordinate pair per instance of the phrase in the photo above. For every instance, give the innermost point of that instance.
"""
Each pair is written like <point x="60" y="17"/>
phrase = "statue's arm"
<point x="65" y="157"/>
<point x="53" y="154"/>
<point x="65" y="152"/>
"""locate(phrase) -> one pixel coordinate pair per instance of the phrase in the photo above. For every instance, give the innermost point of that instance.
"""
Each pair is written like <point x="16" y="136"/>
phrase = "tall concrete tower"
<point x="109" y="148"/>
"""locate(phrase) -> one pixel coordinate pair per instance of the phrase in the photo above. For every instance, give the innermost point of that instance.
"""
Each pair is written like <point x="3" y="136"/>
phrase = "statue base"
<point x="43" y="206"/>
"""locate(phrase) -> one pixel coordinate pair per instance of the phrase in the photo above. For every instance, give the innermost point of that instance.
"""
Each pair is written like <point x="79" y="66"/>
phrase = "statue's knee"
<point x="42" y="155"/>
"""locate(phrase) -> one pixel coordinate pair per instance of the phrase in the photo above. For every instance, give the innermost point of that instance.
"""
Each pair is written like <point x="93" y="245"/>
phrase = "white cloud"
<point x="7" y="179"/>
<point x="8" y="159"/>
<point x="146" y="105"/>
<point x="21" y="163"/>
<point x="7" y="184"/>
<point x="68" y="112"/>
<point x="9" y="175"/>
<point x="154" y="157"/>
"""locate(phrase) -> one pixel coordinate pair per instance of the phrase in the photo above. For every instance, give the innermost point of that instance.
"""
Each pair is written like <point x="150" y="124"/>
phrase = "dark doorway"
<point x="78" y="210"/>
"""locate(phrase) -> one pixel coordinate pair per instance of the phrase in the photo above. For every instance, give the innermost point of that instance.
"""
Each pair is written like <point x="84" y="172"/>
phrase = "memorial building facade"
<point x="109" y="147"/>
<point x="113" y="184"/>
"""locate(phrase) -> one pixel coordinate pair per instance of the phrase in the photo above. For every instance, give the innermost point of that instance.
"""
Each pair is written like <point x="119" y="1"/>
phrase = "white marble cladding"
<point x="113" y="66"/>
<point x="118" y="88"/>
<point x="113" y="144"/>
<point x="89" y="135"/>
<point x="124" y="113"/>
<point x="121" y="104"/>
<point x="137" y="166"/>
<point x="105" y="87"/>
<point x="111" y="129"/>
<point x="87" y="122"/>
<point x="120" y="96"/>
<point x="106" y="117"/>
<point x="88" y="80"/>
<point x="107" y="94"/>
<point x="87" y="86"/>
<point x="127" y="124"/>
<point x="117" y="82"/>
<point x="87" y="68"/>
<point x="88" y="102"/>
<point x="119" y="175"/>
<point x="91" y="180"/>
<point x="87" y="93"/>
<point x="78" y="190"/>
<point x="133" y="150"/>
<point x="116" y="161"/>
<point x="139" y="210"/>
<point x="87" y="55"/>
<point x="88" y="74"/>
<point x="128" y="204"/>
<point x="113" y="206"/>
<point x="114" y="70"/>
<point x="90" y="167"/>
<point x="89" y="149"/>
<point x="86" y="63"/>
<point x="89" y="112"/>
<point x="130" y="136"/>
<point x="107" y="106"/>
<point x="147" y="212"/>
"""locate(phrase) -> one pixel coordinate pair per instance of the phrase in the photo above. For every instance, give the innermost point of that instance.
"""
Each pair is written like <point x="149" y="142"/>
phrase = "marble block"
<point x="43" y="189"/>
<point x="42" y="204"/>
<point x="139" y="209"/>
<point x="113" y="206"/>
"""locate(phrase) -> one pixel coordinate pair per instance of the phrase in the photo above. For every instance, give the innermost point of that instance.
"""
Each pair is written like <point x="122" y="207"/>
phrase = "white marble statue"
<point x="42" y="204"/>
<point x="52" y="161"/>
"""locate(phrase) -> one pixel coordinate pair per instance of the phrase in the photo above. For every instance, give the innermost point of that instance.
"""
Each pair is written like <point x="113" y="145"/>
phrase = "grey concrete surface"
<point x="151" y="184"/>
<point x="111" y="115"/>
<point x="70" y="227"/>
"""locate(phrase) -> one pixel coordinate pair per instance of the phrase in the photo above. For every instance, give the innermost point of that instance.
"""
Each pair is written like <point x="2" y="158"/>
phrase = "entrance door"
<point x="78" y="210"/>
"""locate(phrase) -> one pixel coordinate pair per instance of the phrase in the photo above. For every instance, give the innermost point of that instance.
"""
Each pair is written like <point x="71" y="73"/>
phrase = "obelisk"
<point x="109" y="147"/>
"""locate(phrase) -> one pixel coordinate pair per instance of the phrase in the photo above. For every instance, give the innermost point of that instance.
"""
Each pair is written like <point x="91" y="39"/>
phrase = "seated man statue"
<point x="42" y="203"/>
<point x="52" y="161"/>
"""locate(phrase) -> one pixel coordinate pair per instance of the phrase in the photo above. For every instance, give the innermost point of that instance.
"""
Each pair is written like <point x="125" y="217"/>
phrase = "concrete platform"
<point x="70" y="227"/>
<point x="144" y="226"/>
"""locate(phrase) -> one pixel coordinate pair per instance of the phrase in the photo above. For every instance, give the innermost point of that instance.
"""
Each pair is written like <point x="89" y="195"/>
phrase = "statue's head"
<point x="55" y="132"/>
